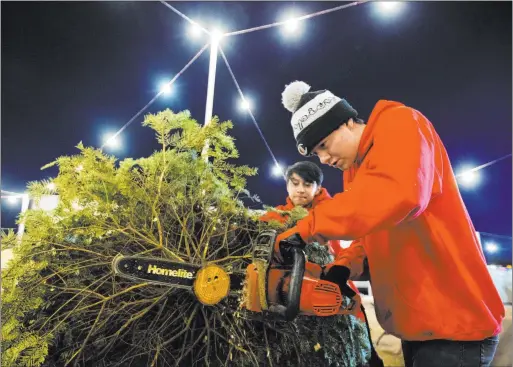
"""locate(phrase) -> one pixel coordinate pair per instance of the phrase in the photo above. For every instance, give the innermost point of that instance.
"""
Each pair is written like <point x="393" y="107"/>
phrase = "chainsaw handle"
<point x="291" y="310"/>
<point x="263" y="246"/>
<point x="296" y="281"/>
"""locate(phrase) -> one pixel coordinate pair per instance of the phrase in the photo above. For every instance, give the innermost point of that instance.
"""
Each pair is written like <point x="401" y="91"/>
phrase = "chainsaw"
<point x="285" y="290"/>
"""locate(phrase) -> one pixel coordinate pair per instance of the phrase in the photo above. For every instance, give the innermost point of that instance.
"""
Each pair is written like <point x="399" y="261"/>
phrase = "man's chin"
<point x="300" y="203"/>
<point x="344" y="167"/>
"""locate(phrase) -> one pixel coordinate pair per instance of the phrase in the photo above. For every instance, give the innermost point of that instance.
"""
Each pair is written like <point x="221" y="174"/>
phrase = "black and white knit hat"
<point x="315" y="115"/>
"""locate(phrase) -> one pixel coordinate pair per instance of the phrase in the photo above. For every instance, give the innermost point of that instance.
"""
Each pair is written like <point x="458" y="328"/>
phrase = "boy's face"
<point x="339" y="149"/>
<point x="300" y="192"/>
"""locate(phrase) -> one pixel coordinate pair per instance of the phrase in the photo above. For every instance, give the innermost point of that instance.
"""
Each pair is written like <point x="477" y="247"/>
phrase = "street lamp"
<point x="388" y="9"/>
<point x="216" y="35"/>
<point x="165" y="88"/>
<point x="12" y="200"/>
<point x="194" y="31"/>
<point x="245" y="104"/>
<point x="277" y="170"/>
<point x="491" y="247"/>
<point x="47" y="203"/>
<point x="468" y="177"/>
<point x="215" y="39"/>
<point x="292" y="26"/>
<point x="111" y="141"/>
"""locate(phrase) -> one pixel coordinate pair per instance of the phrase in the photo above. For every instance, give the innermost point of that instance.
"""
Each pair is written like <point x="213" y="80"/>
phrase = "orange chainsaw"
<point x="284" y="290"/>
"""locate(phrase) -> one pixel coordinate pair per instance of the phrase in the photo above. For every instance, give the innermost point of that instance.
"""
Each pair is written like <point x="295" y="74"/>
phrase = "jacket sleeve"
<point x="267" y="217"/>
<point x="352" y="258"/>
<point x="334" y="247"/>
<point x="396" y="184"/>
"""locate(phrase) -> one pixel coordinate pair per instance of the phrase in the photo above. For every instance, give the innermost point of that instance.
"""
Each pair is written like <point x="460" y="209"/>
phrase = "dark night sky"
<point x="70" y="70"/>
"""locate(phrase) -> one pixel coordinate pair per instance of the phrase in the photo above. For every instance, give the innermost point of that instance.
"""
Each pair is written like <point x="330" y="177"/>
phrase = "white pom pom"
<point x="292" y="94"/>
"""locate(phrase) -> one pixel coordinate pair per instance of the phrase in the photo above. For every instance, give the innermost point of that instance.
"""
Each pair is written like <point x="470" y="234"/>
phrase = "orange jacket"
<point x="333" y="245"/>
<point x="401" y="200"/>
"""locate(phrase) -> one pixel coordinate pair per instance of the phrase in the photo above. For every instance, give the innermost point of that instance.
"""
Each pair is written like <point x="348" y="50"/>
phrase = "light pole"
<point x="215" y="38"/>
<point x="25" y="201"/>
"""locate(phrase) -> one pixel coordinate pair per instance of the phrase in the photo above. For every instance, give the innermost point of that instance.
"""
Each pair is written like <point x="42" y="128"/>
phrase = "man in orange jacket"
<point x="304" y="188"/>
<point x="402" y="207"/>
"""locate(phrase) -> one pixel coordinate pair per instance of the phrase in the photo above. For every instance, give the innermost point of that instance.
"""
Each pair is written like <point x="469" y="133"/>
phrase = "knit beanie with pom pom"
<point x="315" y="115"/>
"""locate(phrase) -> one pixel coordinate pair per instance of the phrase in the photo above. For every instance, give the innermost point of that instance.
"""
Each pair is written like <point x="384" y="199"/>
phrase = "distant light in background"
<point x="51" y="186"/>
<point x="12" y="200"/>
<point x="388" y="9"/>
<point x="5" y="258"/>
<point x="165" y="88"/>
<point x="468" y="178"/>
<point x="491" y="247"/>
<point x="216" y="35"/>
<point x="292" y="26"/>
<point x="47" y="202"/>
<point x="111" y="141"/>
<point x="245" y="104"/>
<point x="75" y="205"/>
<point x="277" y="170"/>
<point x="194" y="31"/>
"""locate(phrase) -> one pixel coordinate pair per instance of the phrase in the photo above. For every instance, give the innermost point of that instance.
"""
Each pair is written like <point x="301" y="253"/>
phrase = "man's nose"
<point x="324" y="158"/>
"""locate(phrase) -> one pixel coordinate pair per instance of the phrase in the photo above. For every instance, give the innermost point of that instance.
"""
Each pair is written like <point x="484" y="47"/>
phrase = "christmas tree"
<point x="62" y="305"/>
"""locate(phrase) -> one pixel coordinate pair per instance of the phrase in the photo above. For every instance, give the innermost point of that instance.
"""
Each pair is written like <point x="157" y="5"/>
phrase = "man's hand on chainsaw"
<point x="284" y="242"/>
<point x="337" y="274"/>
<point x="320" y="239"/>
<point x="293" y="237"/>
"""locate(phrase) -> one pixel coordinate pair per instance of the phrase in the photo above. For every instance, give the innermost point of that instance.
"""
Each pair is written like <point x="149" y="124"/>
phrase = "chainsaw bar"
<point x="165" y="272"/>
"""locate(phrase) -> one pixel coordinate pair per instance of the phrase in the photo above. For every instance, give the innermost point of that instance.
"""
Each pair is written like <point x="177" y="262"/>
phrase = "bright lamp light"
<point x="194" y="31"/>
<point x="468" y="177"/>
<point x="277" y="170"/>
<point x="245" y="104"/>
<point x="387" y="9"/>
<point x="165" y="88"/>
<point x="491" y="247"/>
<point x="216" y="35"/>
<point x="12" y="199"/>
<point x="111" y="141"/>
<point x="48" y="202"/>
<point x="292" y="25"/>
